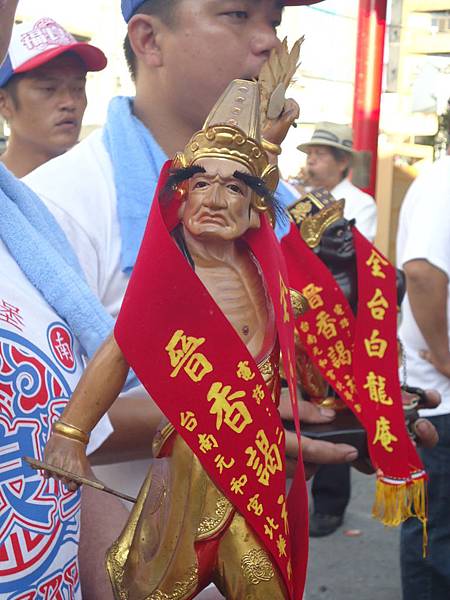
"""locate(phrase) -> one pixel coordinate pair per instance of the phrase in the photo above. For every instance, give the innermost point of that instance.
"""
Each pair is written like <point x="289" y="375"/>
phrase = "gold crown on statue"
<point x="232" y="131"/>
<point x="314" y="213"/>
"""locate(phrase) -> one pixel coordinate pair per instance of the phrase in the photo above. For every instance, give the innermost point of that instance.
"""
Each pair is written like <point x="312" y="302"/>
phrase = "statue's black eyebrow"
<point x="257" y="185"/>
<point x="177" y="176"/>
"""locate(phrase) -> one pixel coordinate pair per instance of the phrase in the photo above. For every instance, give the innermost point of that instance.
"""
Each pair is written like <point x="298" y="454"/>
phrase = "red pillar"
<point x="368" y="79"/>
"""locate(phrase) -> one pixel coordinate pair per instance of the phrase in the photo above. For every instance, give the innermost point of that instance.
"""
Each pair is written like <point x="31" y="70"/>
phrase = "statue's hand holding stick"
<point x="58" y="473"/>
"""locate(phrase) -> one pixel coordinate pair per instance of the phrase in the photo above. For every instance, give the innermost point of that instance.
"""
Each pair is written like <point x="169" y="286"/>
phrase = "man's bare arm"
<point x="427" y="288"/>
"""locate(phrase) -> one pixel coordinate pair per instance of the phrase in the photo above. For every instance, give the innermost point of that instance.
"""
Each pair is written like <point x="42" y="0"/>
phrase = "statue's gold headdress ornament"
<point x="275" y="77"/>
<point x="314" y="213"/>
<point x="232" y="130"/>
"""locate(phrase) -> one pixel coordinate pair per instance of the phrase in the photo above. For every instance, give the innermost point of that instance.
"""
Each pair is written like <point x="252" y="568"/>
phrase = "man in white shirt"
<point x="41" y="360"/>
<point x="423" y="252"/>
<point x="329" y="159"/>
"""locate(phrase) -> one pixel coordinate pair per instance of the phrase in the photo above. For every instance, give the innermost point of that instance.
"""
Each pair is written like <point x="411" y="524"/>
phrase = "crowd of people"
<point x="69" y="238"/>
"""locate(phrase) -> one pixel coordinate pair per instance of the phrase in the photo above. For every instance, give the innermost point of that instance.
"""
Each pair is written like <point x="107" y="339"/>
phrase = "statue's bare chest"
<point x="239" y="292"/>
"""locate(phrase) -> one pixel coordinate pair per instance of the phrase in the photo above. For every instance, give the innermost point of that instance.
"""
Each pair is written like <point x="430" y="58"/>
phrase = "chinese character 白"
<point x="375" y="346"/>
<point x="338" y="310"/>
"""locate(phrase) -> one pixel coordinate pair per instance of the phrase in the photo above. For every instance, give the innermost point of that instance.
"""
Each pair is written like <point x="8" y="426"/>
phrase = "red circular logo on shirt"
<point x="61" y="343"/>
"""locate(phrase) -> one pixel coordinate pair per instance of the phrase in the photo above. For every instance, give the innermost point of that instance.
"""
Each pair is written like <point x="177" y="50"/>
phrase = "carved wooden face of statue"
<point x="218" y="206"/>
<point x="336" y="244"/>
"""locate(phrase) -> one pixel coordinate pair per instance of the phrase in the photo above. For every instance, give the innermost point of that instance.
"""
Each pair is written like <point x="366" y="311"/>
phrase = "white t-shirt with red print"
<point x="40" y="364"/>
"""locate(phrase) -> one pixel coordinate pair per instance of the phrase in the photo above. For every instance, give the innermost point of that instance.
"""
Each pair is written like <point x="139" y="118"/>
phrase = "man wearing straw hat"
<point x="330" y="156"/>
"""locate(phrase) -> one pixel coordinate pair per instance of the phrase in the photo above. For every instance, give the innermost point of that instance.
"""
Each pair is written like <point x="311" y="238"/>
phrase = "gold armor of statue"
<point x="145" y="562"/>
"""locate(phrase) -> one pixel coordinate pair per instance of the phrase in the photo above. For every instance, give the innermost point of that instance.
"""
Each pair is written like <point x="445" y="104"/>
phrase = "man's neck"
<point x="168" y="127"/>
<point x="333" y="183"/>
<point x="207" y="252"/>
<point x="21" y="159"/>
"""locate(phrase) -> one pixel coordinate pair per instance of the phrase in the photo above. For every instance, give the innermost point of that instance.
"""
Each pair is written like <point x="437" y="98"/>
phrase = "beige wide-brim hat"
<point x="331" y="134"/>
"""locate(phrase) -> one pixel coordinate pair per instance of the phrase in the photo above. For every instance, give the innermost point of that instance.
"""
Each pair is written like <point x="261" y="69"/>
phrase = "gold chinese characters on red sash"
<point x="358" y="358"/>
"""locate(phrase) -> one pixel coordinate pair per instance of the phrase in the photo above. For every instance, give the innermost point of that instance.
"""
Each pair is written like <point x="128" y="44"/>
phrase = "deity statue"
<point x="205" y="316"/>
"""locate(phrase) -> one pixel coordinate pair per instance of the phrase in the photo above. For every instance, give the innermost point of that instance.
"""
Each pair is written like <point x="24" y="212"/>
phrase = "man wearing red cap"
<point x="42" y="92"/>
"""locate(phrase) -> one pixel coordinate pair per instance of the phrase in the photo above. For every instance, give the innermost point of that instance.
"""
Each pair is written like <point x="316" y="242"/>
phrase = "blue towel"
<point x="137" y="160"/>
<point x="40" y="248"/>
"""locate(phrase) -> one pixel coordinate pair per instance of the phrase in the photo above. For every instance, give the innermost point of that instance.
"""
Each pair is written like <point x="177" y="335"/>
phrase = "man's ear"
<point x="255" y="219"/>
<point x="6" y="108"/>
<point x="144" y="35"/>
<point x="345" y="163"/>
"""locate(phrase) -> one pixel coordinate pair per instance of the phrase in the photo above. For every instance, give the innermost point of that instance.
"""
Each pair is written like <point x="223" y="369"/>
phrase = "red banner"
<point x="358" y="358"/>
<point x="196" y="368"/>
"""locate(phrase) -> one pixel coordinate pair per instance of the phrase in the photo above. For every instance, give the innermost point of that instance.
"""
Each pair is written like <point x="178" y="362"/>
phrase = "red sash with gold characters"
<point x="201" y="375"/>
<point x="358" y="358"/>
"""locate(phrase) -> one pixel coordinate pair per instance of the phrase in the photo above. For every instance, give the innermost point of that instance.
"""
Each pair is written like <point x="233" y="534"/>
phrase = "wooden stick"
<point x="39" y="465"/>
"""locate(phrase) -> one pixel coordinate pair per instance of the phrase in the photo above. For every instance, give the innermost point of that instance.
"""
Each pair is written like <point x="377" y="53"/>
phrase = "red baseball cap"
<point x="37" y="42"/>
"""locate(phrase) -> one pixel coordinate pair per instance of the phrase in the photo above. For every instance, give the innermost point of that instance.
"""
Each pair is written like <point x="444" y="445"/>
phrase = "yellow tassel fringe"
<point x="396" y="503"/>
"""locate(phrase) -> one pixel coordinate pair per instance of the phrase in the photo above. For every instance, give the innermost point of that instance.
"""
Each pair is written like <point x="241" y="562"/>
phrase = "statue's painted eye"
<point x="200" y="184"/>
<point x="234" y="188"/>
